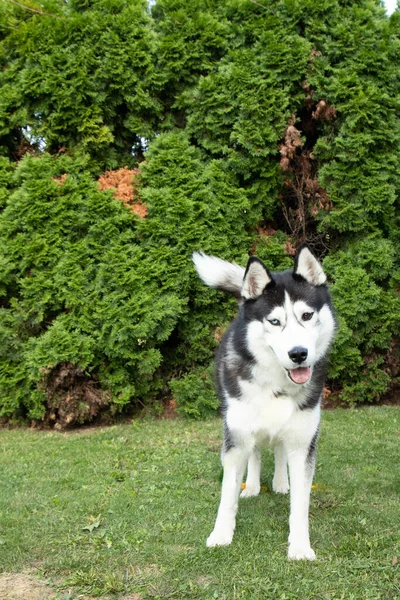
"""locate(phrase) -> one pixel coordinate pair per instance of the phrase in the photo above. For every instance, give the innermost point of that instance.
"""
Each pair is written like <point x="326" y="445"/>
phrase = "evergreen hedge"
<point x="260" y="127"/>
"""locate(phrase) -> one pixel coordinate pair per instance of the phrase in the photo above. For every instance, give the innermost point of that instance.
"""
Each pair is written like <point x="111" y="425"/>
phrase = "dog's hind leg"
<point x="280" y="482"/>
<point x="253" y="475"/>
<point x="234" y="462"/>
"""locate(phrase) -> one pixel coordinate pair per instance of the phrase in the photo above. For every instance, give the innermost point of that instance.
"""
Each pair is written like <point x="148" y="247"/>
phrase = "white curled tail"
<point x="218" y="273"/>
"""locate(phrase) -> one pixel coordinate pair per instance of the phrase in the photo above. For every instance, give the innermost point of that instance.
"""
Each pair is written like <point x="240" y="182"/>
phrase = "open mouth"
<point x="299" y="375"/>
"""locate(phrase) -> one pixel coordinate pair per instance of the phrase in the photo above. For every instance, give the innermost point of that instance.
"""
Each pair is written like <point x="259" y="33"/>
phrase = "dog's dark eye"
<point x="307" y="316"/>
<point x="274" y="322"/>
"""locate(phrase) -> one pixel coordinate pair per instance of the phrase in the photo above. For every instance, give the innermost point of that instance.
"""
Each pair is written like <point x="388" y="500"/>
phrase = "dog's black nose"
<point x="298" y="354"/>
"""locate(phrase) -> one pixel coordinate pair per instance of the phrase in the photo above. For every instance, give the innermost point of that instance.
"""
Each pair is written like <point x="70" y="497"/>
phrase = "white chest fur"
<point x="259" y="415"/>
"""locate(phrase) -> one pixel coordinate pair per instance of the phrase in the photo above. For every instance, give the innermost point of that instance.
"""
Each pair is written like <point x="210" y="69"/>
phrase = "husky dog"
<point x="270" y="375"/>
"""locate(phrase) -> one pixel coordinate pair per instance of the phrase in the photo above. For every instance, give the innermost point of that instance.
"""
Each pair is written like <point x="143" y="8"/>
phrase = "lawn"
<point x="125" y="511"/>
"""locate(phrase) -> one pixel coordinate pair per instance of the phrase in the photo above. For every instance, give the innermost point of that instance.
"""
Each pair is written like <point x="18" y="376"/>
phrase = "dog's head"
<point x="289" y="313"/>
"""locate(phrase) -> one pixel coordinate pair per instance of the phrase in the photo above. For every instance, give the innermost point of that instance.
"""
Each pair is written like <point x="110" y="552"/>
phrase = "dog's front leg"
<point x="234" y="463"/>
<point x="301" y="471"/>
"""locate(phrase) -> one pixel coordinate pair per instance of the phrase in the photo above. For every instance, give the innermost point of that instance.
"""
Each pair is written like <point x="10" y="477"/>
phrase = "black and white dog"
<point x="270" y="375"/>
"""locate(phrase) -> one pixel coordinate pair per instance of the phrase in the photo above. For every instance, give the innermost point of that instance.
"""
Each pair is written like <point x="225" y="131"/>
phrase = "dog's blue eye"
<point x="274" y="322"/>
<point x="307" y="316"/>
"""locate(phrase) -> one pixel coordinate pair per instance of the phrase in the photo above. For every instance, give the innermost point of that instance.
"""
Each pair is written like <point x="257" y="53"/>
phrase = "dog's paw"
<point x="300" y="553"/>
<point x="250" y="490"/>
<point x="219" y="538"/>
<point x="280" y="487"/>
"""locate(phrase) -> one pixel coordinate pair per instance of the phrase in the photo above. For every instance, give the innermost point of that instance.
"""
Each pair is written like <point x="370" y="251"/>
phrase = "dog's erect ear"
<point x="306" y="265"/>
<point x="255" y="279"/>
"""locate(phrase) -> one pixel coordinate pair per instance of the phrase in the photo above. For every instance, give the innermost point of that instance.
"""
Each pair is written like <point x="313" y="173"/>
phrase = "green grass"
<point x="128" y="508"/>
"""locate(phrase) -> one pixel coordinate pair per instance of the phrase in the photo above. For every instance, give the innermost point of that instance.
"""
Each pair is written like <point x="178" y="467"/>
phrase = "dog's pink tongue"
<point x="300" y="375"/>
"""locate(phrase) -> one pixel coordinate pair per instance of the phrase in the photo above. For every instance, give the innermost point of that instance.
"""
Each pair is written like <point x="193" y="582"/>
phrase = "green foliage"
<point x="208" y="88"/>
<point x="84" y="81"/>
<point x="359" y="167"/>
<point x="72" y="288"/>
<point x="192" y="38"/>
<point x="369" y="315"/>
<point x="6" y="170"/>
<point x="195" y="393"/>
<point x="270" y="249"/>
<point x="359" y="153"/>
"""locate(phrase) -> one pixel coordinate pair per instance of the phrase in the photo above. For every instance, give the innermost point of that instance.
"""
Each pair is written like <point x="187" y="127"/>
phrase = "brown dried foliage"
<point x="219" y="333"/>
<point x="24" y="147"/>
<point x="170" y="409"/>
<point x="72" y="397"/>
<point x="124" y="182"/>
<point x="289" y="248"/>
<point x="393" y="363"/>
<point x="266" y="230"/>
<point x="303" y="196"/>
<point x="292" y="141"/>
<point x="60" y="180"/>
<point x="324" y="111"/>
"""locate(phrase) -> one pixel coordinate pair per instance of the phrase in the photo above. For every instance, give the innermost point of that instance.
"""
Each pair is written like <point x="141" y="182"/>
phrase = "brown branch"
<point x="39" y="12"/>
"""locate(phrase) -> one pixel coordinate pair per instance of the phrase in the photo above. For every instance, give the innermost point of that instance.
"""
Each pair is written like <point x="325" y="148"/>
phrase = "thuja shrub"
<point x="358" y="153"/>
<point x="74" y="296"/>
<point x="101" y="307"/>
<point x="80" y="76"/>
<point x="365" y="359"/>
<point x="193" y="205"/>
<point x="304" y="78"/>
<point x="270" y="124"/>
